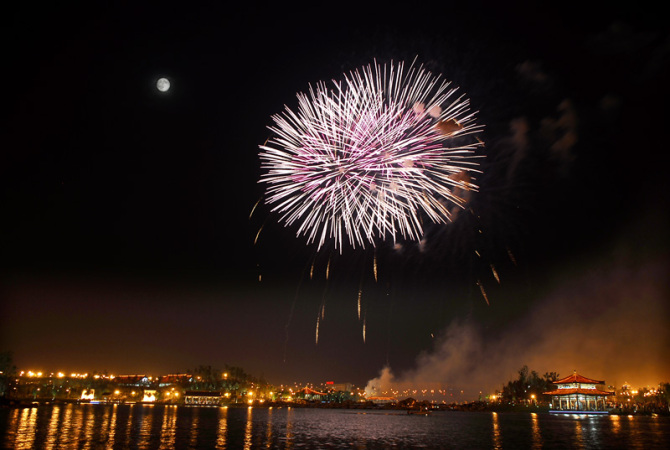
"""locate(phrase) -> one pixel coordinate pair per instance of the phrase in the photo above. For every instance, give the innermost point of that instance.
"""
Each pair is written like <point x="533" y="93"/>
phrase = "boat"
<point x="418" y="412"/>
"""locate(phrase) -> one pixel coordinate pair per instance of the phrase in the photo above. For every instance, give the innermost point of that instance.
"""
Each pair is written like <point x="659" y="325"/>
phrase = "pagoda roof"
<point x="577" y="378"/>
<point x="578" y="391"/>
<point x="309" y="391"/>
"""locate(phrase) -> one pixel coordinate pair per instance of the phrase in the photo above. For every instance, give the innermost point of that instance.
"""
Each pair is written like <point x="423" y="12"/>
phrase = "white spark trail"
<point x="367" y="158"/>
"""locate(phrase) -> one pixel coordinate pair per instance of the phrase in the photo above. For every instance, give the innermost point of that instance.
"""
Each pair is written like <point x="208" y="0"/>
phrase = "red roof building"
<point x="578" y="394"/>
<point x="311" y="395"/>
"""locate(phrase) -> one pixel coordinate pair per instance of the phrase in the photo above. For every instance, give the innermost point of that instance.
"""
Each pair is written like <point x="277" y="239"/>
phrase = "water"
<point x="155" y="426"/>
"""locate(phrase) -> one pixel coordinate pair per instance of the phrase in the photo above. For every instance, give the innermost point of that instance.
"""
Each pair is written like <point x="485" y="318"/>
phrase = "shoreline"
<point x="469" y="407"/>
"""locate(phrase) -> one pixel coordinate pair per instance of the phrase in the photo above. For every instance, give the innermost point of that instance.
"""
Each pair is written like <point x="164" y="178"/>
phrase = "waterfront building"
<point x="202" y="398"/>
<point x="133" y="380"/>
<point x="311" y="395"/>
<point x="578" y="394"/>
<point x="340" y="387"/>
<point x="382" y="400"/>
<point x="174" y="379"/>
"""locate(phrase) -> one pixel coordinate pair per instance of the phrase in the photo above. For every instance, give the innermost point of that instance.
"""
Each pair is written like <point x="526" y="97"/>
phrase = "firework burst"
<point x="371" y="156"/>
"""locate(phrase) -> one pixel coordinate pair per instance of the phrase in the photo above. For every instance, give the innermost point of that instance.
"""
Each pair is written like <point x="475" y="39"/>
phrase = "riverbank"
<point x="471" y="406"/>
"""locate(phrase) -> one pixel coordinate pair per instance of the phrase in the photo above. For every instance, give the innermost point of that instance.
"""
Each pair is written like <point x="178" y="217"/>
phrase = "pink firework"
<point x="368" y="158"/>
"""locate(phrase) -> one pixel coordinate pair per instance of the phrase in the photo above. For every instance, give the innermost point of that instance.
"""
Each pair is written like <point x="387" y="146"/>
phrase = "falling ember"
<point x="364" y="324"/>
<point x="481" y="288"/>
<point x="477" y="252"/>
<point x="328" y="269"/>
<point x="258" y="234"/>
<point x="511" y="256"/>
<point x="495" y="273"/>
<point x="360" y="292"/>
<point x="374" y="265"/>
<point x="311" y="270"/>
<point x="317" y="329"/>
<point x="254" y="208"/>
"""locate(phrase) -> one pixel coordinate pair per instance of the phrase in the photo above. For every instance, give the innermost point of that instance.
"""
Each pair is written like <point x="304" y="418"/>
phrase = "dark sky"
<point x="127" y="243"/>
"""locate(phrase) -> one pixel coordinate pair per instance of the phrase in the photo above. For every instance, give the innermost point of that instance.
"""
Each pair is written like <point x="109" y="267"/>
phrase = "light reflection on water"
<point x="89" y="419"/>
<point x="616" y="426"/>
<point x="248" y="428"/>
<point x="194" y="427"/>
<point x="168" y="428"/>
<point x="145" y="428"/>
<point x="537" y="436"/>
<point x="223" y="428"/>
<point x="165" y="427"/>
<point x="66" y="424"/>
<point x="112" y="426"/>
<point x="578" y="434"/>
<point x="289" y="428"/>
<point x="496" y="431"/>
<point x="25" y="434"/>
<point x="268" y="428"/>
<point x="53" y="429"/>
<point x="129" y="427"/>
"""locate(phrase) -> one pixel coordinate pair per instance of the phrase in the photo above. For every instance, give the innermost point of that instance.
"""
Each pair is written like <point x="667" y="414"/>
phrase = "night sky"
<point x="127" y="242"/>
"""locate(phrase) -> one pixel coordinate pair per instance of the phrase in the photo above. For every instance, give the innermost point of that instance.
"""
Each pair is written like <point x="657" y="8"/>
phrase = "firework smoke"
<point x="588" y="324"/>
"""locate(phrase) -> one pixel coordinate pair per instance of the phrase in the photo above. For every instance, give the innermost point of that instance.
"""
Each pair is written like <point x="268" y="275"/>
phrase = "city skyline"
<point x="232" y="384"/>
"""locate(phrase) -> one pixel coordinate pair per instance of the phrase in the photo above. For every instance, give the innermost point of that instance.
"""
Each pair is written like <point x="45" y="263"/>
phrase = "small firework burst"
<point x="370" y="157"/>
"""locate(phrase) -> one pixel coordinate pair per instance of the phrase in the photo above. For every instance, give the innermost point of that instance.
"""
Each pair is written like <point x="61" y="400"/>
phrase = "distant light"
<point x="163" y="84"/>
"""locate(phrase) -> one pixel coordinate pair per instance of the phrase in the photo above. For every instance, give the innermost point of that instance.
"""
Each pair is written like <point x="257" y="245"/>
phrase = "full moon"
<point x="163" y="84"/>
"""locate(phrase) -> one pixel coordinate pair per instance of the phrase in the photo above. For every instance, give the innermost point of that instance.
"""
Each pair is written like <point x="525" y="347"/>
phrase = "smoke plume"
<point x="606" y="324"/>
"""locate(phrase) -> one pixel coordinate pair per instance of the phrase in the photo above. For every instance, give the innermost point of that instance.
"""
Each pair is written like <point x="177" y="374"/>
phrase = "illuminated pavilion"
<point x="312" y="395"/>
<point x="202" y="398"/>
<point x="578" y="394"/>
